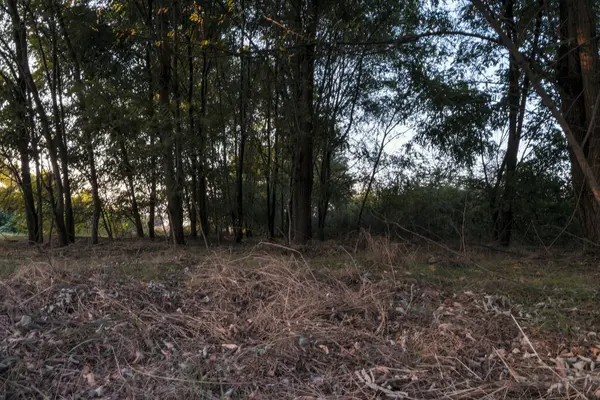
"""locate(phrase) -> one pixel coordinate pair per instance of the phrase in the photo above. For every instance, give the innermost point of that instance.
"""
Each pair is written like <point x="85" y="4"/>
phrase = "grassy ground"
<point x="359" y="320"/>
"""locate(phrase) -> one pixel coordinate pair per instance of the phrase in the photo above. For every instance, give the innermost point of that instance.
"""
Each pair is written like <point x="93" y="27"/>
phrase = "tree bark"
<point x="139" y="227"/>
<point x="193" y="192"/>
<point x="302" y="161"/>
<point x="505" y="217"/>
<point x="201" y="194"/>
<point x="571" y="84"/>
<point x="239" y="177"/>
<point x="23" y="67"/>
<point x="23" y="141"/>
<point x="174" y="195"/>
<point x="324" y="180"/>
<point x="578" y="73"/>
<point x="153" y="176"/>
<point x="87" y="134"/>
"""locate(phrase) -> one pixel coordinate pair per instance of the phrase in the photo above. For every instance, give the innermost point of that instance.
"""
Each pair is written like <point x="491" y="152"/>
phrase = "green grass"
<point x="570" y="292"/>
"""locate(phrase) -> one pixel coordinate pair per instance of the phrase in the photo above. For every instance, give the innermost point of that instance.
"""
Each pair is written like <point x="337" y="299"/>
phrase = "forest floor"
<point x="361" y="320"/>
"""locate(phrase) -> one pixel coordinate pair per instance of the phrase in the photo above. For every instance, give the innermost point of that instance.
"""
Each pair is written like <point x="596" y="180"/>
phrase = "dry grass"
<point x="144" y="321"/>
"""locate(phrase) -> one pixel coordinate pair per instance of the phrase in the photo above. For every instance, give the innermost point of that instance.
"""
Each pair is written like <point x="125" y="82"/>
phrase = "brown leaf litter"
<point x="268" y="327"/>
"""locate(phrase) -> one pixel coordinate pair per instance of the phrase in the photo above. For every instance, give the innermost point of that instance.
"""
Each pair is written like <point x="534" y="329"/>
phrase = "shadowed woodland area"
<point x="301" y="199"/>
<point x="300" y="119"/>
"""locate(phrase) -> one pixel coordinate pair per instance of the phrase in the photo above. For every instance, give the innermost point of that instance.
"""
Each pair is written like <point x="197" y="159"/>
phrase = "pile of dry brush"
<point x="268" y="326"/>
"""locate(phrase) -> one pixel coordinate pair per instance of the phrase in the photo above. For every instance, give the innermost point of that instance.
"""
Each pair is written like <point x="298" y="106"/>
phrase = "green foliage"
<point x="8" y="222"/>
<point x="380" y="68"/>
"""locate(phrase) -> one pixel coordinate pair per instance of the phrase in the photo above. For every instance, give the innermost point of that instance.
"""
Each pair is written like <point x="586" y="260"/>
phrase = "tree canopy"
<point x="200" y="120"/>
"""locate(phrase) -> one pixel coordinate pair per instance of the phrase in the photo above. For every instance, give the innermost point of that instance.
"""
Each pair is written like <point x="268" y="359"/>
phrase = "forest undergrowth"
<point x="362" y="319"/>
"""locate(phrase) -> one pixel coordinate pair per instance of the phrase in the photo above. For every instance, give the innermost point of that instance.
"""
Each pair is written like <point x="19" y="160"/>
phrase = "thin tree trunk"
<point x="23" y="66"/>
<point x="324" y="179"/>
<point x="505" y="223"/>
<point x="139" y="227"/>
<point x="201" y="193"/>
<point x="39" y="188"/>
<point x="371" y="179"/>
<point x="38" y="173"/>
<point x="503" y="212"/>
<point x="302" y="165"/>
<point x="23" y="141"/>
<point x="579" y="74"/>
<point x="239" y="178"/>
<point x="178" y="156"/>
<point x="87" y="134"/>
<point x="571" y="85"/>
<point x="193" y="192"/>
<point x="174" y="200"/>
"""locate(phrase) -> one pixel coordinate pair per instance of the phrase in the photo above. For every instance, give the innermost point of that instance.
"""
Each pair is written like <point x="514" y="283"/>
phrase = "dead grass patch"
<point x="267" y="325"/>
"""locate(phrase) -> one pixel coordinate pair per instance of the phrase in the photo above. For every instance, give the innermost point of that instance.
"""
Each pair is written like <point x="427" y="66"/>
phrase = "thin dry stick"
<point x="285" y="248"/>
<point x="537" y="355"/>
<point x="512" y="372"/>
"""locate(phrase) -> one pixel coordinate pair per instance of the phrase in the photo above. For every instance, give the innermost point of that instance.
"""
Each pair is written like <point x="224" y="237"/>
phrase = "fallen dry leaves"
<point x="271" y="327"/>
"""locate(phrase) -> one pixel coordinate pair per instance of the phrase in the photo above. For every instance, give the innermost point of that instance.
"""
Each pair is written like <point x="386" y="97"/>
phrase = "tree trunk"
<point x="371" y="179"/>
<point x="174" y="198"/>
<point x="152" y="133"/>
<point x="193" y="192"/>
<point x="272" y="168"/>
<point x="302" y="164"/>
<point x="503" y="212"/>
<point x="569" y="79"/>
<point x="201" y="194"/>
<point x="505" y="222"/>
<point x="178" y="156"/>
<point x="578" y="73"/>
<point x="23" y="140"/>
<point x="19" y="31"/>
<point x="87" y="135"/>
<point x="59" y="119"/>
<point x="139" y="227"/>
<point x="325" y="193"/>
<point x="239" y="177"/>
<point x="39" y="187"/>
<point x="152" y="199"/>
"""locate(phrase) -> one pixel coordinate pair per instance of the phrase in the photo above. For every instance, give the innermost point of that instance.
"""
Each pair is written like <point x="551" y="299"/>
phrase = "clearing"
<point x="367" y="320"/>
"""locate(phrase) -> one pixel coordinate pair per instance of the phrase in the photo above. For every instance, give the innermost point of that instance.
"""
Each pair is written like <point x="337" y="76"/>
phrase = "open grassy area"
<point x="359" y="320"/>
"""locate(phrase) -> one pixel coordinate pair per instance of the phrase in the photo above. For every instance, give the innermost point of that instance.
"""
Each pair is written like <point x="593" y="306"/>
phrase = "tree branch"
<point x="546" y="99"/>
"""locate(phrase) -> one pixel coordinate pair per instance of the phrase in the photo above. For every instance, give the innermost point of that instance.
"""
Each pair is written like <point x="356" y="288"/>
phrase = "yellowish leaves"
<point x="196" y="18"/>
<point x="117" y="7"/>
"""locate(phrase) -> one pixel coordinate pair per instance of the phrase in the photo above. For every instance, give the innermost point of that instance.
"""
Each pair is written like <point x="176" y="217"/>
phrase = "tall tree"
<point x="305" y="22"/>
<point x="578" y="79"/>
